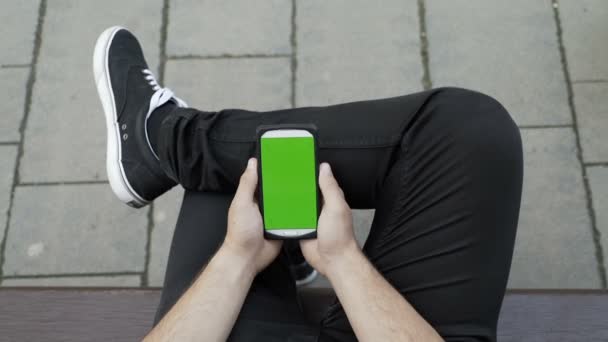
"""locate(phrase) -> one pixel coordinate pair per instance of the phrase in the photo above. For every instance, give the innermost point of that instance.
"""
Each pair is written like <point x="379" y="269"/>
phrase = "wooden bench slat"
<point x="558" y="315"/>
<point x="126" y="315"/>
<point x="76" y="315"/>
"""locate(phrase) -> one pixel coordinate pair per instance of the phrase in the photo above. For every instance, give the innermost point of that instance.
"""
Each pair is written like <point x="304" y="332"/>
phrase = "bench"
<point x="119" y="314"/>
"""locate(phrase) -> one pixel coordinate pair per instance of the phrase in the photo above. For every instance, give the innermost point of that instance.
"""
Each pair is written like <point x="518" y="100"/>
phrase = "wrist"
<point x="236" y="259"/>
<point x="347" y="261"/>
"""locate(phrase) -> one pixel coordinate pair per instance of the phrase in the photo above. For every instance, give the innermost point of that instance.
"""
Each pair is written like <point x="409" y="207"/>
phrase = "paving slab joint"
<point x="294" y="48"/>
<point x="23" y="124"/>
<point x="14" y="66"/>
<point x="424" y="46"/>
<point x="162" y="62"/>
<point x="545" y="126"/>
<point x="71" y="275"/>
<point x="600" y="80"/>
<point x="599" y="253"/>
<point x="227" y="56"/>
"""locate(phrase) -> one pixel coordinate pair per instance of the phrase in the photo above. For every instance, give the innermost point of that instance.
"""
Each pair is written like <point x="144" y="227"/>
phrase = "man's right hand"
<point x="335" y="237"/>
<point x="358" y="285"/>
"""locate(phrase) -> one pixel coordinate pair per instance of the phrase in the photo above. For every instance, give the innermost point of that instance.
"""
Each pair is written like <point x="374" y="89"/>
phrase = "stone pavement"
<point x="547" y="62"/>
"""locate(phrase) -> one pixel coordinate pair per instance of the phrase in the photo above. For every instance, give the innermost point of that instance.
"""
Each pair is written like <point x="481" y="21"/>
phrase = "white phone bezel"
<point x="287" y="133"/>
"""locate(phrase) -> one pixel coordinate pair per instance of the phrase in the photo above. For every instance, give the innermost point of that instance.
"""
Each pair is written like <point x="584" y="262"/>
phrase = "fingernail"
<point x="325" y="168"/>
<point x="250" y="162"/>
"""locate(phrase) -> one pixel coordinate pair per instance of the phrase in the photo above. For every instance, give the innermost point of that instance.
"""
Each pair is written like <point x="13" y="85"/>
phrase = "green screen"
<point x="289" y="184"/>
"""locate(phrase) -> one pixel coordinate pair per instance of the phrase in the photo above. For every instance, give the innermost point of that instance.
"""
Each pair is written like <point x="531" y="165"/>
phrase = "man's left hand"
<point x="245" y="232"/>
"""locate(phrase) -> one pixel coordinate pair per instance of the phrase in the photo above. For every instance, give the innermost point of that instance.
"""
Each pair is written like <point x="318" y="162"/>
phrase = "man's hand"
<point x="208" y="310"/>
<point x="375" y="310"/>
<point x="335" y="237"/>
<point x="245" y="232"/>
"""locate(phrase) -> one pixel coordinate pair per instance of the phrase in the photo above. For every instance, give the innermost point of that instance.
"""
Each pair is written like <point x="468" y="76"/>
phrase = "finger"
<point x="306" y="243"/>
<point x="307" y="247"/>
<point x="309" y="250"/>
<point x="248" y="182"/>
<point x="275" y="244"/>
<point x="332" y="194"/>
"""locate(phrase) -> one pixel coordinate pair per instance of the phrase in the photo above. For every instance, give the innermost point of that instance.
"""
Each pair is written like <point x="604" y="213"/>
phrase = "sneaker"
<point x="303" y="273"/>
<point x="129" y="93"/>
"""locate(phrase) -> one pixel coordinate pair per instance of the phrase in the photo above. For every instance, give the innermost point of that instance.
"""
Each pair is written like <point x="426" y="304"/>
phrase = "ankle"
<point x="154" y="123"/>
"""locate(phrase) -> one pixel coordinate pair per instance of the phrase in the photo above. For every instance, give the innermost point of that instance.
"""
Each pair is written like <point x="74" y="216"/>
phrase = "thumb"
<point x="329" y="186"/>
<point x="248" y="181"/>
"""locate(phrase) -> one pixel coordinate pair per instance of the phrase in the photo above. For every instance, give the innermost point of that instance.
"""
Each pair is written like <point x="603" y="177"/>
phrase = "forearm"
<point x="376" y="311"/>
<point x="211" y="305"/>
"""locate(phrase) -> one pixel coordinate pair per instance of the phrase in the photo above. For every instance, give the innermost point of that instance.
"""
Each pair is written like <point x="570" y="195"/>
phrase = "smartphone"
<point x="288" y="188"/>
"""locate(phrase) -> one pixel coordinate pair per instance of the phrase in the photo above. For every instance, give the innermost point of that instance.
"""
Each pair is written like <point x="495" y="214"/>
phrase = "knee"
<point x="480" y="122"/>
<point x="470" y="105"/>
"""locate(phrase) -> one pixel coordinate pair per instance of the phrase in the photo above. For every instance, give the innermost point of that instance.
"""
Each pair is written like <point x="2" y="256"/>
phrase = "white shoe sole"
<point x="116" y="173"/>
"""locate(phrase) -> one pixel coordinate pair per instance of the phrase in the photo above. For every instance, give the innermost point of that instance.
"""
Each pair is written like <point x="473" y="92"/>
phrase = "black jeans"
<point x="442" y="168"/>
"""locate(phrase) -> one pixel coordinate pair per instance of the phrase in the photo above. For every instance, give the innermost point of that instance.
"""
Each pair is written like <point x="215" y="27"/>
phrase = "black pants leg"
<point x="443" y="168"/>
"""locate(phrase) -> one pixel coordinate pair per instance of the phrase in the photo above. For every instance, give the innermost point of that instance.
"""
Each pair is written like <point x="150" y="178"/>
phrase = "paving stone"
<point x="356" y="50"/>
<point x="584" y="36"/>
<point x="12" y="98"/>
<point x="66" y="120"/>
<point x="94" y="281"/>
<point x="166" y="211"/>
<point x="18" y="41"/>
<point x="554" y="247"/>
<point x="507" y="49"/>
<point x="592" y="112"/>
<point x="249" y="83"/>
<point x="234" y="27"/>
<point x="8" y="158"/>
<point x="598" y="181"/>
<point x="73" y="229"/>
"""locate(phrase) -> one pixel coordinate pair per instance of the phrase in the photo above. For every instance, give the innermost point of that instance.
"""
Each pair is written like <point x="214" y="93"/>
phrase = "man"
<point x="442" y="168"/>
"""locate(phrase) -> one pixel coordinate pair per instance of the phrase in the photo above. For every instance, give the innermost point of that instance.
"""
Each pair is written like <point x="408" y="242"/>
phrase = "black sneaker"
<point x="129" y="93"/>
<point x="303" y="273"/>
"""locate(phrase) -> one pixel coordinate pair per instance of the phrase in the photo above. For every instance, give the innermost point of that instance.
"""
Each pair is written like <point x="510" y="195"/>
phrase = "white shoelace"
<point x="160" y="97"/>
<point x="162" y="94"/>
